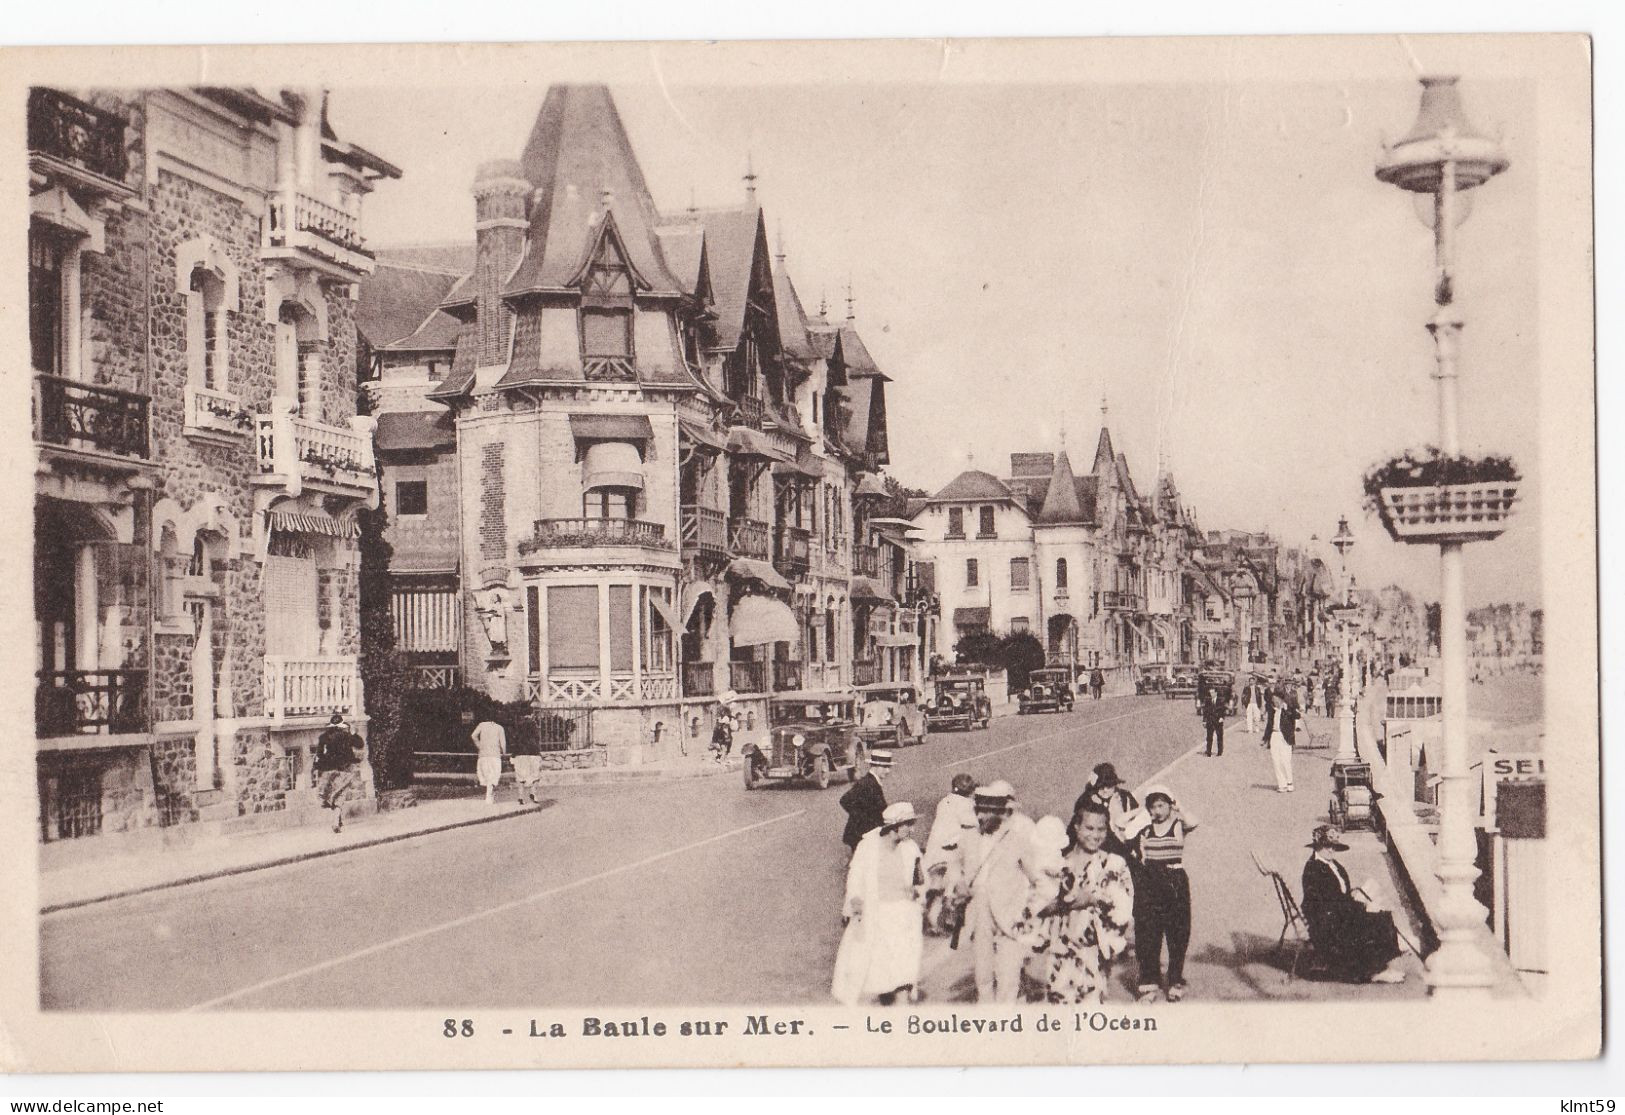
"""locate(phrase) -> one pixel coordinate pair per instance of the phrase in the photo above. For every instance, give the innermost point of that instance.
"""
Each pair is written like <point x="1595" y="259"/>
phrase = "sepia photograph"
<point x="879" y="552"/>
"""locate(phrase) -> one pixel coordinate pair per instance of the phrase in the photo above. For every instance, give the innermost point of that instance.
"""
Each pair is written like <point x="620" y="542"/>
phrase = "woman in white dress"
<point x="879" y="956"/>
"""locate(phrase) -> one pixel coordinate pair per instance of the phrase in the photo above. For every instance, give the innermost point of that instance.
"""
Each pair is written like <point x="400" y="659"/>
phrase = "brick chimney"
<point x="501" y="195"/>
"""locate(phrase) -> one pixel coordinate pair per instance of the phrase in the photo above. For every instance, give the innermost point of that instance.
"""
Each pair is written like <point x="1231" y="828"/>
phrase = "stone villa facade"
<point x="193" y="261"/>
<point x="637" y="474"/>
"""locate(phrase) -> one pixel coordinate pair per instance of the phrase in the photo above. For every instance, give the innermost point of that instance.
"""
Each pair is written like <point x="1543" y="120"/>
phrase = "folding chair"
<point x="1292" y="919"/>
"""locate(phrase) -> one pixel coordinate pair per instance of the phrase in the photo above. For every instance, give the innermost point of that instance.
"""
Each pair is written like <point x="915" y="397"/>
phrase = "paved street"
<point x="684" y="892"/>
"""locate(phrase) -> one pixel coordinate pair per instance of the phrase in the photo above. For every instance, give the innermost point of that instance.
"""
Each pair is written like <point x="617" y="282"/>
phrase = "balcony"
<point x="787" y="416"/>
<point x="699" y="679"/>
<point x="750" y="538"/>
<point x="752" y="412"/>
<point x="296" y="687"/>
<point x="296" y="452"/>
<point x="90" y="702"/>
<point x="865" y="671"/>
<point x="305" y="230"/>
<point x="748" y="677"/>
<point x="587" y="533"/>
<point x="786" y="675"/>
<point x="1113" y="600"/>
<point x="792" y="550"/>
<point x="705" y="531"/>
<point x="92" y="419"/>
<point x="216" y="412"/>
<point x="866" y="561"/>
<point x="66" y="133"/>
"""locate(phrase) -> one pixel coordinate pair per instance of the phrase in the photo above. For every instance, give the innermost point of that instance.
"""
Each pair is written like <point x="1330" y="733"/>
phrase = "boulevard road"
<point x="681" y="892"/>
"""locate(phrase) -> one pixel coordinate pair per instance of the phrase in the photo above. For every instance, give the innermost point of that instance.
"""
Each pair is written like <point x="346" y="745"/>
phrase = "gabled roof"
<point x="1061" y="499"/>
<point x="735" y="245"/>
<point x="684" y="247"/>
<point x="578" y="155"/>
<point x="973" y="484"/>
<point x="793" y="333"/>
<point x="858" y="361"/>
<point x="399" y="305"/>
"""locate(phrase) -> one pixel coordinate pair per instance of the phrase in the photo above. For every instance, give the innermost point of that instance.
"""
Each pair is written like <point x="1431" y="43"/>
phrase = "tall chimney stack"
<point x="501" y="194"/>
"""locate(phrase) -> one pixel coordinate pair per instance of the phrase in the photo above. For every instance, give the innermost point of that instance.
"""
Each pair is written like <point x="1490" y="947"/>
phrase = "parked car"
<point x="811" y="736"/>
<point x="960" y="701"/>
<point x="1182" y="681"/>
<point x="1048" y="690"/>
<point x="889" y="715"/>
<point x="1150" y="678"/>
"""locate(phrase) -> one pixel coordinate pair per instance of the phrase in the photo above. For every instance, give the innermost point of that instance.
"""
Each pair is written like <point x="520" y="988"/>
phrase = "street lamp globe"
<point x="1441" y="136"/>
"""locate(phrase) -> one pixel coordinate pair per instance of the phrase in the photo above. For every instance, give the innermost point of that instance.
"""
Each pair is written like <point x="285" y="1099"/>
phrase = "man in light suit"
<point x="1000" y="872"/>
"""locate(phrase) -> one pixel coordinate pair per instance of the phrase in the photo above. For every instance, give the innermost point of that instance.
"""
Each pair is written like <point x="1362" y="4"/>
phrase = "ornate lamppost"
<point x="1347" y="752"/>
<point x="1438" y="160"/>
<point x="1241" y="590"/>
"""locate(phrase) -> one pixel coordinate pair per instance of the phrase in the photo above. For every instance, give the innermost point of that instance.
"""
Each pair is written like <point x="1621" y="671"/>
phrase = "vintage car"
<point x="1150" y="678"/>
<point x="889" y="715"/>
<point x="1219" y="681"/>
<point x="1182" y="682"/>
<point x="960" y="701"/>
<point x="1048" y="690"/>
<point x="811" y="736"/>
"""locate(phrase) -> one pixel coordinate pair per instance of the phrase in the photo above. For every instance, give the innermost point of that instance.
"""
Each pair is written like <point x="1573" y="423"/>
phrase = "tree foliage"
<point x="383" y="674"/>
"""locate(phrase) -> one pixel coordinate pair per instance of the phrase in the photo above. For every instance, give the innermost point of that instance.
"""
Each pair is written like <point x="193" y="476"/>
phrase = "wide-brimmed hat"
<point x="1327" y="836"/>
<point x="881" y="760"/>
<point x="1106" y="775"/>
<point x="898" y="813"/>
<point x="995" y="795"/>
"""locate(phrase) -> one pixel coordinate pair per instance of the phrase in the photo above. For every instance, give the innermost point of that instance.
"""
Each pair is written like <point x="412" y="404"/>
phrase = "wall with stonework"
<point x="174" y="763"/>
<point x="264" y="773"/>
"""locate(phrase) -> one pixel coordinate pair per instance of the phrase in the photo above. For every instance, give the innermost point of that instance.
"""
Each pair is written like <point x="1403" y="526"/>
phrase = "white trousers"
<point x="1252" y="717"/>
<point x="1281" y="759"/>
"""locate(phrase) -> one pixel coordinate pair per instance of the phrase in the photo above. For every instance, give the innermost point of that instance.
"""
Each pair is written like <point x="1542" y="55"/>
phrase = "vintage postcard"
<point x="821" y="554"/>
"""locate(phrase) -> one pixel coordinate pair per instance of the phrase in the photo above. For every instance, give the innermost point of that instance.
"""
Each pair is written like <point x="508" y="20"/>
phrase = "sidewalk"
<point x="441" y="806"/>
<point x="1236" y="920"/>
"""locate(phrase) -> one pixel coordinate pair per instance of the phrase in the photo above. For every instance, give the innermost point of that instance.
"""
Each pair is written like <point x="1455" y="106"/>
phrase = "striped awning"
<point x="311" y="522"/>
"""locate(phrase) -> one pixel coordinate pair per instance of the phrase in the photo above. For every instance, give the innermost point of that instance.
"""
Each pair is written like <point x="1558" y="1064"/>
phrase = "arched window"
<point x="205" y="329"/>
<point x="299" y="360"/>
<point x="1060" y="573"/>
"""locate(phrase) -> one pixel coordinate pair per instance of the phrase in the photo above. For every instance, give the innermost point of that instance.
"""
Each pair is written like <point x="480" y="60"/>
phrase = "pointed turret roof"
<point x="735" y="247"/>
<point x="793" y="331"/>
<point x="577" y="158"/>
<point x="1061" y="500"/>
<point x="1105" y="456"/>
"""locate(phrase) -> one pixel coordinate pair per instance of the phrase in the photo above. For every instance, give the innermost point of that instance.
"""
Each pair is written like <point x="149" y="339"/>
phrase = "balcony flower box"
<point x="1426" y="498"/>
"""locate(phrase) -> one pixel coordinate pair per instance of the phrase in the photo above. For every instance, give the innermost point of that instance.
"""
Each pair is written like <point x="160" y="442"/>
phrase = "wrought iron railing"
<point x="87" y="416"/>
<point x="786" y="675"/>
<point x="705" y="529"/>
<point x="1117" y="601"/>
<point x="748" y="677"/>
<point x="792" y="550"/>
<point x="564" y="727"/>
<point x="751" y="412"/>
<point x="699" y="679"/>
<point x="588" y="532"/>
<point x="66" y="128"/>
<point x="750" y="538"/>
<point x="866" y="561"/>
<point x="90" y="702"/>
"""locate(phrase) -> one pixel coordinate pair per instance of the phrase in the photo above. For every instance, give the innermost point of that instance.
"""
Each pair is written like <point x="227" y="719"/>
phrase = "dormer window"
<point x="606" y="316"/>
<point x="956" y="522"/>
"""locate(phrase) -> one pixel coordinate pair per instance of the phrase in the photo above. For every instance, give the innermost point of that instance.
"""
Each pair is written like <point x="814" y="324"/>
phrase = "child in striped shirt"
<point x="1164" y="912"/>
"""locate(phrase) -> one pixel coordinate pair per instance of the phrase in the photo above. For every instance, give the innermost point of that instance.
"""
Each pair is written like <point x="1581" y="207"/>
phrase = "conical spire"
<point x="1105" y="456"/>
<point x="1061" y="500"/>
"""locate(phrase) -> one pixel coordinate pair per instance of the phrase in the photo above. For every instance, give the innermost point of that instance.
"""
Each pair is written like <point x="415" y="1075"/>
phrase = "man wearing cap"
<point x="879" y="954"/>
<point x="1000" y="876"/>
<point x="953" y="825"/>
<point x="335" y="766"/>
<point x="865" y="801"/>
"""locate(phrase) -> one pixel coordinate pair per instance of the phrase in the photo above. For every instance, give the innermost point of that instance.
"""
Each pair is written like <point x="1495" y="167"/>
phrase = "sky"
<point x="1214" y="260"/>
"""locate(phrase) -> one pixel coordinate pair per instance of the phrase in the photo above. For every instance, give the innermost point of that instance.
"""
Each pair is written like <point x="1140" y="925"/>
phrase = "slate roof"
<point x="415" y="430"/>
<point x="856" y="355"/>
<point x="399" y="306"/>
<point x="1061" y="504"/>
<point x="793" y="332"/>
<point x="1105" y="457"/>
<point x="732" y="237"/>
<point x="684" y="248"/>
<point x="973" y="484"/>
<point x="577" y="150"/>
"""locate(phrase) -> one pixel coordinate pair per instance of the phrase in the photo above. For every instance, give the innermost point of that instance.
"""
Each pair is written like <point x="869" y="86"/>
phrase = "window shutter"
<point x="572" y="627"/>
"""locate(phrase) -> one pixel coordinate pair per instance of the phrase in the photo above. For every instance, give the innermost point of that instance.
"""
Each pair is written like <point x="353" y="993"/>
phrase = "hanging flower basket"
<point x="1426" y="498"/>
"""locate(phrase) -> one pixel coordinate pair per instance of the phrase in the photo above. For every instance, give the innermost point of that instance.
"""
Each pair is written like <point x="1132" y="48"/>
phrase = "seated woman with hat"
<point x="879" y="954"/>
<point x="1357" y="943"/>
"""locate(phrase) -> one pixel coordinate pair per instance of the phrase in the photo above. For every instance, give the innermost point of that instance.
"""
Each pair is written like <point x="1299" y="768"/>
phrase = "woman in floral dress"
<point x="1089" y="923"/>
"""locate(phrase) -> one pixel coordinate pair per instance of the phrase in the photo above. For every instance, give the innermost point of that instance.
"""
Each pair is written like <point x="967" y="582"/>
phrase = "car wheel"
<point x="751" y="777"/>
<point x="821" y="771"/>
